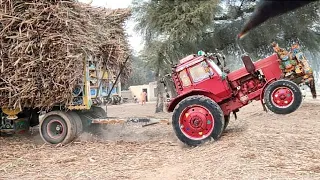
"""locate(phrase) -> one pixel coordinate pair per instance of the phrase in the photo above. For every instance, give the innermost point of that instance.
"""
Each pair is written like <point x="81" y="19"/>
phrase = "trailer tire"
<point x="53" y="122"/>
<point x="197" y="119"/>
<point x="77" y="120"/>
<point x="99" y="111"/>
<point x="283" y="97"/>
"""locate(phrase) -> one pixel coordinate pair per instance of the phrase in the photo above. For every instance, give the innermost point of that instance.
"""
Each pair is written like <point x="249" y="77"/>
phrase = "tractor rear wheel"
<point x="58" y="127"/>
<point x="283" y="97"/>
<point x="197" y="119"/>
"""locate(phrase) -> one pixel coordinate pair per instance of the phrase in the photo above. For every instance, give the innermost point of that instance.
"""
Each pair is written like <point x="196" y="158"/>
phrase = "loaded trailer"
<point x="63" y="123"/>
<point x="56" y="58"/>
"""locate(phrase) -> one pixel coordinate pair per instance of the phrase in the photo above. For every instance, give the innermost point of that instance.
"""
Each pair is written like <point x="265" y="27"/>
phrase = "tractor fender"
<point x="262" y="92"/>
<point x="173" y="103"/>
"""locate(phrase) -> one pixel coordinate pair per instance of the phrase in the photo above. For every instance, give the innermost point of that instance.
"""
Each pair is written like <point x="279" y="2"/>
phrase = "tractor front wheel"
<point x="283" y="97"/>
<point x="58" y="127"/>
<point x="197" y="119"/>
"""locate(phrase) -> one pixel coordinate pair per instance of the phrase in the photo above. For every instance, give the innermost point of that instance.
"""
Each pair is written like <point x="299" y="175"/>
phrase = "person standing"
<point x="143" y="97"/>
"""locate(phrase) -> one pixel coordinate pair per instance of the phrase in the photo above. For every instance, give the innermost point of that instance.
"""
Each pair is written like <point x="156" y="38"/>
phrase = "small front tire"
<point x="283" y="97"/>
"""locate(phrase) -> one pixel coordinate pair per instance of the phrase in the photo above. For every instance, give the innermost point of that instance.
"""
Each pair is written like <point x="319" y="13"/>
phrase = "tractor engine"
<point x="246" y="85"/>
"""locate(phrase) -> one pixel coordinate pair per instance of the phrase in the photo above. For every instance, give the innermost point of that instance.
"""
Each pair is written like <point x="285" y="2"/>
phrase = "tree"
<point x="301" y="25"/>
<point x="157" y="59"/>
<point x="173" y="20"/>
<point x="141" y="73"/>
<point x="168" y="28"/>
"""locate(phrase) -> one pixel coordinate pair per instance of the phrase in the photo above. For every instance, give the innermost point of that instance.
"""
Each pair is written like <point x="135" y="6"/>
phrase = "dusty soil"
<point x="258" y="145"/>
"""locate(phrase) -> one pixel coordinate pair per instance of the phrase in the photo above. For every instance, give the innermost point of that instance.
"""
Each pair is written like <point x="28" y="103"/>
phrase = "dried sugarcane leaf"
<point x="43" y="44"/>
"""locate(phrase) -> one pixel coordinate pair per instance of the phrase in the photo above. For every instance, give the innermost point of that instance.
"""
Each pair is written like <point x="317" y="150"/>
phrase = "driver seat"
<point x="248" y="64"/>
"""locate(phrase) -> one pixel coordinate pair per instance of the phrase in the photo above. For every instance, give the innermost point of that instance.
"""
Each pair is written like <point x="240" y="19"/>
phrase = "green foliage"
<point x="299" y="25"/>
<point x="156" y="56"/>
<point x="141" y="73"/>
<point x="173" y="20"/>
<point x="283" y="29"/>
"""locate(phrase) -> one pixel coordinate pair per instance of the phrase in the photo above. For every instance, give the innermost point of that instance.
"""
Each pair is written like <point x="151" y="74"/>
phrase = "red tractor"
<point x="208" y="95"/>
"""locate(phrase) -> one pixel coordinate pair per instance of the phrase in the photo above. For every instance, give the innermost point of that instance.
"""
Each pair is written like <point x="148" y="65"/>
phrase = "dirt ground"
<point x="258" y="145"/>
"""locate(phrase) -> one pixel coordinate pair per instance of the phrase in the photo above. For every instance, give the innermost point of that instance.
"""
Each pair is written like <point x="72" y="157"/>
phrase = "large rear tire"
<point x="58" y="127"/>
<point x="197" y="119"/>
<point x="283" y="97"/>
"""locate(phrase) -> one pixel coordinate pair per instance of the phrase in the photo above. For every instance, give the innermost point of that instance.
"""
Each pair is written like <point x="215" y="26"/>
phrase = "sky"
<point x="135" y="40"/>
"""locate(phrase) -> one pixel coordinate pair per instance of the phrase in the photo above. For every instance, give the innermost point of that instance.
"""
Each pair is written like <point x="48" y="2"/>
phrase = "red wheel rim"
<point x="282" y="97"/>
<point x="55" y="129"/>
<point x="196" y="122"/>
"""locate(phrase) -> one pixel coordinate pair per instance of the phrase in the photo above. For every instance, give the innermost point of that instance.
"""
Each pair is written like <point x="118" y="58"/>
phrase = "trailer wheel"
<point x="283" y="97"/>
<point x="77" y="120"/>
<point x="58" y="127"/>
<point x="197" y="119"/>
<point x="99" y="111"/>
<point x="226" y="121"/>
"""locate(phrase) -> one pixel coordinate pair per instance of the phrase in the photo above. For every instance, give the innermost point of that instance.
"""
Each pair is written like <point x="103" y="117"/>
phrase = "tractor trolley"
<point x="63" y="123"/>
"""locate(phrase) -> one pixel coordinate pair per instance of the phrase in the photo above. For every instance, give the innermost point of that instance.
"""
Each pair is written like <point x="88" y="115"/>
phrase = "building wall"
<point x="152" y="91"/>
<point x="136" y="90"/>
<point x="126" y="94"/>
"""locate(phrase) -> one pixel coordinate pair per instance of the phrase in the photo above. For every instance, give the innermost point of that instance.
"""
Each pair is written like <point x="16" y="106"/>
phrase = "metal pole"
<point x="121" y="69"/>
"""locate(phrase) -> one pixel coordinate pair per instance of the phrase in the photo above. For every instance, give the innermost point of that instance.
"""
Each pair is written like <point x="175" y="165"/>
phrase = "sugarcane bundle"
<point x="43" y="45"/>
